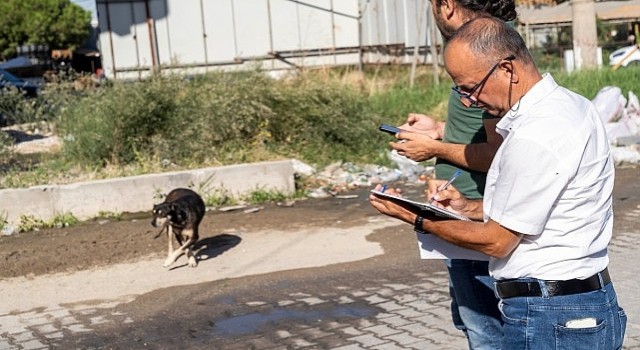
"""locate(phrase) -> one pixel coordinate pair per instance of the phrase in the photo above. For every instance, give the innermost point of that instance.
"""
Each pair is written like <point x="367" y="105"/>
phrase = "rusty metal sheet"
<point x="608" y="10"/>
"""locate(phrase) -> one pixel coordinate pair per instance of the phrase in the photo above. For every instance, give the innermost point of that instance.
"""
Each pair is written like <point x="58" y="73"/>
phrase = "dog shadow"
<point x="211" y="247"/>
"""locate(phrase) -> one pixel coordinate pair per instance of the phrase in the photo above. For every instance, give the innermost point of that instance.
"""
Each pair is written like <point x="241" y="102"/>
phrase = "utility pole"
<point x="433" y="33"/>
<point x="416" y="48"/>
<point x="585" y="35"/>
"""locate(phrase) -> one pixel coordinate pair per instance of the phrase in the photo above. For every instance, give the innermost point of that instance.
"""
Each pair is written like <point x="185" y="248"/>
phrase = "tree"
<point x="59" y="24"/>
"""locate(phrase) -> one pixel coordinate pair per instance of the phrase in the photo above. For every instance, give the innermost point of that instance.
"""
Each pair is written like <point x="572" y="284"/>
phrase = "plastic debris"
<point x="232" y="207"/>
<point x="302" y="168"/>
<point x="8" y="230"/>
<point x="627" y="154"/>
<point x="410" y="169"/>
<point x="347" y="196"/>
<point x="622" y="122"/>
<point x="287" y="203"/>
<point x="338" y="177"/>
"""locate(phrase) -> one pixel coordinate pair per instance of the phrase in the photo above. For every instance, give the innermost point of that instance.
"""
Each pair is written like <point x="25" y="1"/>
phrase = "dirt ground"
<point x="98" y="243"/>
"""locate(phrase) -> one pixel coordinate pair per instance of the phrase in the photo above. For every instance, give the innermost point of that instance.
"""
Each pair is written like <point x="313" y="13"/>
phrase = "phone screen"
<point x="389" y="129"/>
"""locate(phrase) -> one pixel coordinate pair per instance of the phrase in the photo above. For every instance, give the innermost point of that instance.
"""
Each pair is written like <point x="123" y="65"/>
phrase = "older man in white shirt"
<point x="546" y="218"/>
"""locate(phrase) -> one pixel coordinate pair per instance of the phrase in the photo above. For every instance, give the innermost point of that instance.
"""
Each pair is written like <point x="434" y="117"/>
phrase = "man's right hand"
<point x="450" y="198"/>
<point x="421" y="143"/>
<point x="416" y="146"/>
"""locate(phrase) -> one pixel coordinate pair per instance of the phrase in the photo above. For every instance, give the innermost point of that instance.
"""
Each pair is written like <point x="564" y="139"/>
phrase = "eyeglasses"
<point x="467" y="98"/>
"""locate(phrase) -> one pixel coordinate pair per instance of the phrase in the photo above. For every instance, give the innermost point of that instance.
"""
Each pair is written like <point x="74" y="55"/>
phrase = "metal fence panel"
<point x="139" y="36"/>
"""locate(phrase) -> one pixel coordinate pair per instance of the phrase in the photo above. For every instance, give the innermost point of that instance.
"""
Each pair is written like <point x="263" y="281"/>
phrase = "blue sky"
<point x="87" y="4"/>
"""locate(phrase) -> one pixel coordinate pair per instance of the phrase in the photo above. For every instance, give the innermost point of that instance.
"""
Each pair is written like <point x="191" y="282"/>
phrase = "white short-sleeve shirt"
<point x="552" y="180"/>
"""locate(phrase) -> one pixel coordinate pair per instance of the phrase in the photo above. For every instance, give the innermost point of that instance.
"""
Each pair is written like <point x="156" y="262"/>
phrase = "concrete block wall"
<point x="135" y="194"/>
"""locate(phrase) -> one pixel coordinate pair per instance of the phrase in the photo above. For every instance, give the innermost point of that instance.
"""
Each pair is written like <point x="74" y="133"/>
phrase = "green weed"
<point x="264" y="196"/>
<point x="31" y="223"/>
<point x="588" y="83"/>
<point x="109" y="215"/>
<point x="3" y="220"/>
<point x="5" y="143"/>
<point x="219" y="197"/>
<point x="63" y="220"/>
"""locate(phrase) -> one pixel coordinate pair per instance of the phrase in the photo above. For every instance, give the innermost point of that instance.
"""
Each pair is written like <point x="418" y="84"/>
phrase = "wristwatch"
<point x="418" y="224"/>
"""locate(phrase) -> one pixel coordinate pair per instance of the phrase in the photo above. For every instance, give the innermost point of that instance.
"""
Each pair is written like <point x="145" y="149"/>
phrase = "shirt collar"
<point x="538" y="92"/>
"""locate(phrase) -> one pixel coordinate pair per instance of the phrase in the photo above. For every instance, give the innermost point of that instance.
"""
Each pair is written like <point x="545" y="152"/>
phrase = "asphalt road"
<point x="324" y="274"/>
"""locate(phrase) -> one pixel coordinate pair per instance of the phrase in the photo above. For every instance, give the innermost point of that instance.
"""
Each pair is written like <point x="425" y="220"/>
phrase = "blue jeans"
<point x="474" y="306"/>
<point x="546" y="322"/>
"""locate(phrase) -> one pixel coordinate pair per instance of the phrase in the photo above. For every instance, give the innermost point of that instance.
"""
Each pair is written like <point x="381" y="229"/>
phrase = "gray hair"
<point x="491" y="40"/>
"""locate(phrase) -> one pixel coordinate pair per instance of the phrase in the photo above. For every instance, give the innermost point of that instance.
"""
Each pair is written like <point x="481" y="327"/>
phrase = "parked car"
<point x="625" y="56"/>
<point x="8" y="80"/>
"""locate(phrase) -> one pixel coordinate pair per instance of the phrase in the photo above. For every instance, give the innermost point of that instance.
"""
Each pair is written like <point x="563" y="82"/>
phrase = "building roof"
<point x="605" y="10"/>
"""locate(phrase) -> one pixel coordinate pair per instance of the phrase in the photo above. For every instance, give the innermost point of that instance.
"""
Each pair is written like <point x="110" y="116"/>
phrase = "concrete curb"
<point x="133" y="194"/>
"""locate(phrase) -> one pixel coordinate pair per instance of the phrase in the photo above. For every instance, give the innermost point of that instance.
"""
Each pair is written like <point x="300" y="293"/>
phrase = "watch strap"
<point x="418" y="224"/>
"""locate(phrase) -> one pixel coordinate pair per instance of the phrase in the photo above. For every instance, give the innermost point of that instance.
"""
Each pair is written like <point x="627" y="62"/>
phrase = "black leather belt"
<point x="511" y="289"/>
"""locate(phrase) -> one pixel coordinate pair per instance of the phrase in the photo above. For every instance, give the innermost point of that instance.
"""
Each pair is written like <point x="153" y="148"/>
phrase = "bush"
<point x="219" y="118"/>
<point x="114" y="124"/>
<point x="316" y="120"/>
<point x="5" y="142"/>
<point x="16" y="109"/>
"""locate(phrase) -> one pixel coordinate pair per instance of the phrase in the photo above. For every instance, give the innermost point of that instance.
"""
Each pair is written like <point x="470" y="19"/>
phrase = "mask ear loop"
<point x="517" y="104"/>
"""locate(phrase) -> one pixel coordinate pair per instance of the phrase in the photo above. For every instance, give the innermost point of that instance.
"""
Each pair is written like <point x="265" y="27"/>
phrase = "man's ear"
<point x="449" y="8"/>
<point x="507" y="68"/>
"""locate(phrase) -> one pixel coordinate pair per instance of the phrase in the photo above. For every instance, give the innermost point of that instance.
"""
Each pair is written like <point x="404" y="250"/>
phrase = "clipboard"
<point x="418" y="206"/>
<point x="434" y="247"/>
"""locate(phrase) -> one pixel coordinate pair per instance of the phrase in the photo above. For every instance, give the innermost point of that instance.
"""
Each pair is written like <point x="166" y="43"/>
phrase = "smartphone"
<point x="389" y="129"/>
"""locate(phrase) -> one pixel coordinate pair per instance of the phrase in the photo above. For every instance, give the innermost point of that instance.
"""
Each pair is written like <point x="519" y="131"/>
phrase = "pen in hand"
<point x="444" y="187"/>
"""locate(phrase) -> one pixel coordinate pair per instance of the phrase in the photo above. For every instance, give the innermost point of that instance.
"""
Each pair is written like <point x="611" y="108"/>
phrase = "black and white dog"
<point x="180" y="214"/>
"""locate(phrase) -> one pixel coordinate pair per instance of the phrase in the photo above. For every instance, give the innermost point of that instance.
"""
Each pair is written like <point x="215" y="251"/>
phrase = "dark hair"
<point x="502" y="9"/>
<point x="491" y="39"/>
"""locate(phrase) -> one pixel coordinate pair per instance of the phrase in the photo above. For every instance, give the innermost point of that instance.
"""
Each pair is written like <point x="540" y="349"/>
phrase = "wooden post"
<point x="416" y="48"/>
<point x="585" y="35"/>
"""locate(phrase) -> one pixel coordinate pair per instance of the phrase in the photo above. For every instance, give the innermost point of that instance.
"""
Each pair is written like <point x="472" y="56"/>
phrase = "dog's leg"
<point x="170" y="250"/>
<point x="193" y="237"/>
<point x="193" y="262"/>
<point x="176" y="253"/>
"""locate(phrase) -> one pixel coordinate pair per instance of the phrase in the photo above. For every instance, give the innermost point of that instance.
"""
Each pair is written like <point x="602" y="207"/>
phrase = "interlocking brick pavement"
<point x="412" y="316"/>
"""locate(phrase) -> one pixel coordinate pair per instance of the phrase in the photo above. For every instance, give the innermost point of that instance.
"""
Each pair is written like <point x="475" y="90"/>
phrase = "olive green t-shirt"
<point x="464" y="126"/>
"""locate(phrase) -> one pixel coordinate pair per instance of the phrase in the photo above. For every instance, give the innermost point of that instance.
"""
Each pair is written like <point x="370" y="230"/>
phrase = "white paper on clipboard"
<point x="434" y="247"/>
<point x="418" y="206"/>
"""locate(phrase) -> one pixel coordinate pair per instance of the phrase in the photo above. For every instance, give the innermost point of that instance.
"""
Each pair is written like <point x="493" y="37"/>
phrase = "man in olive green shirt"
<point x="467" y="141"/>
<point x="474" y="307"/>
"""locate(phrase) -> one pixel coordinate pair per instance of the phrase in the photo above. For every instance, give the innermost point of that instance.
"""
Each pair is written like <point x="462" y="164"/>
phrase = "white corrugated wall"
<point x="193" y="36"/>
